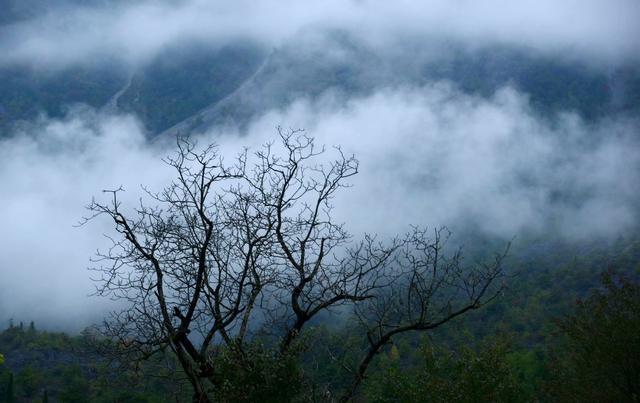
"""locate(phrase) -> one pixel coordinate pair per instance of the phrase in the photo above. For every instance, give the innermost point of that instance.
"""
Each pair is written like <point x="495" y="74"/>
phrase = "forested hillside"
<point x="194" y="87"/>
<point x="518" y="349"/>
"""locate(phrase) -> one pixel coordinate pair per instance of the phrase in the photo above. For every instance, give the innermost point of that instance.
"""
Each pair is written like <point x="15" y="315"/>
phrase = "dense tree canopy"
<point x="600" y="360"/>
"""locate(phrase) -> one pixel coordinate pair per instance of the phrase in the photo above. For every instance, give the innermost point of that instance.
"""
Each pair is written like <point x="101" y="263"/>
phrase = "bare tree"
<point x="429" y="289"/>
<point x="224" y="249"/>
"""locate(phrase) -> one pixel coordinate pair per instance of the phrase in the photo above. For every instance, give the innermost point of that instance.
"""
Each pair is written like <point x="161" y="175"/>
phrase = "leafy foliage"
<point x="468" y="375"/>
<point x="258" y="374"/>
<point x="600" y="357"/>
<point x="69" y="369"/>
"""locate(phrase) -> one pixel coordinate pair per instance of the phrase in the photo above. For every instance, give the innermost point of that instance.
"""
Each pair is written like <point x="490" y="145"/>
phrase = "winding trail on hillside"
<point x="111" y="107"/>
<point x="203" y="118"/>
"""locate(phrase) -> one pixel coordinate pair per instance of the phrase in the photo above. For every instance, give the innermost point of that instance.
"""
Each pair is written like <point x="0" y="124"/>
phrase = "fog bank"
<point x="429" y="156"/>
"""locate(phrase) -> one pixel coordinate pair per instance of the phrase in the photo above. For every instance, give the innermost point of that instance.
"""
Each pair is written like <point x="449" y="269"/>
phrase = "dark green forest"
<point x="566" y="329"/>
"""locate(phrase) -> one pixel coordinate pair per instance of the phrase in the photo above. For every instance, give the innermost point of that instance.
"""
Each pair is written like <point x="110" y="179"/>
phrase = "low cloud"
<point x="429" y="156"/>
<point x="49" y="172"/>
<point x="437" y="156"/>
<point x="133" y="32"/>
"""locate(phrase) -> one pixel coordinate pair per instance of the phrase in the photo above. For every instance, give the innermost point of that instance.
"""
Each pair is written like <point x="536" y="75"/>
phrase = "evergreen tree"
<point x="10" y="394"/>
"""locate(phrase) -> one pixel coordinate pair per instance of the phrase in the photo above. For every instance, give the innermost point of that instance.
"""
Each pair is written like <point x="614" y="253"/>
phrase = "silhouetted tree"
<point x="225" y="250"/>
